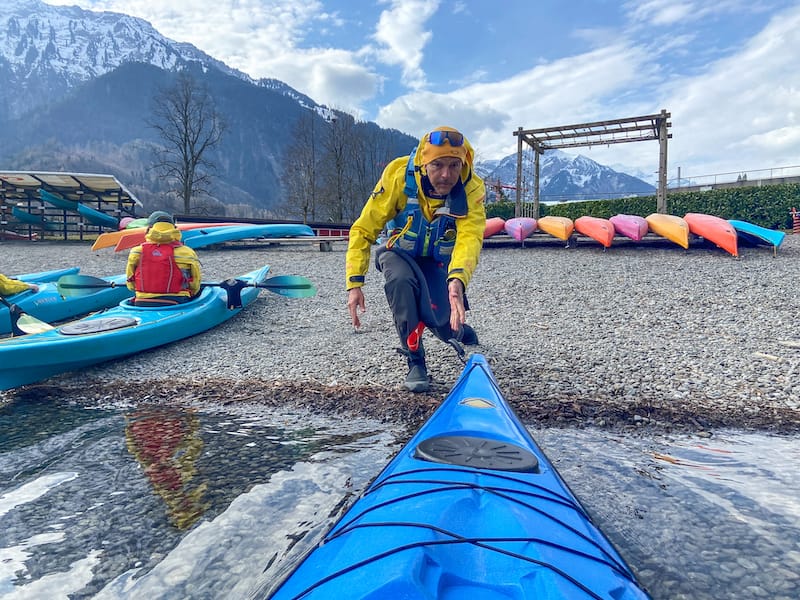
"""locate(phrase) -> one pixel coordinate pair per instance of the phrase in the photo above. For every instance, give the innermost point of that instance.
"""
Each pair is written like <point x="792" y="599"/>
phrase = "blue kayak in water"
<point x="471" y="508"/>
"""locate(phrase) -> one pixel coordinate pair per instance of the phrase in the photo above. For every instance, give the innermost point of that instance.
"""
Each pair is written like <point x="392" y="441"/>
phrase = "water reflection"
<point x="108" y="503"/>
<point x="697" y="519"/>
<point x="162" y="502"/>
<point x="166" y="442"/>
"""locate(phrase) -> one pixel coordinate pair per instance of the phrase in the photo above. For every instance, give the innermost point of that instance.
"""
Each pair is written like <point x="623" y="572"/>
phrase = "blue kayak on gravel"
<point x="470" y="508"/>
<point x="50" y="306"/>
<point x="128" y="329"/>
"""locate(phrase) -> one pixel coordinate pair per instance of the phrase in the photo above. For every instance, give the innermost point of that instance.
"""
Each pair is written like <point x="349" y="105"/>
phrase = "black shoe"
<point x="468" y="335"/>
<point x="417" y="379"/>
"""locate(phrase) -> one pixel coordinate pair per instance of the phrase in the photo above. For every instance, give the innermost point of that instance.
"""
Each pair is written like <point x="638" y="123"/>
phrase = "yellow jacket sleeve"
<point x="9" y="287"/>
<point x="385" y="201"/>
<point x="134" y="256"/>
<point x="469" y="233"/>
<point x="187" y="259"/>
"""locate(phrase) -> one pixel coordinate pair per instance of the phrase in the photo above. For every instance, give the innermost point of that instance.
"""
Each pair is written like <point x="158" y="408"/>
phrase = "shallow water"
<point x="151" y="501"/>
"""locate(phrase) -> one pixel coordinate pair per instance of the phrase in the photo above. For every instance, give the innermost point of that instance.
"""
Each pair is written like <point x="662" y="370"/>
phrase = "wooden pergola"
<point x="599" y="133"/>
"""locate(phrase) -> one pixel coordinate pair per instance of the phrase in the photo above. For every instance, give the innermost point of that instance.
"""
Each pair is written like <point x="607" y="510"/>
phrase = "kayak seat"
<point x="477" y="452"/>
<point x="97" y="325"/>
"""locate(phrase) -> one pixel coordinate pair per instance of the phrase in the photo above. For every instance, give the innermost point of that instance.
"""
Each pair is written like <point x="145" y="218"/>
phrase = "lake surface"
<point x="160" y="502"/>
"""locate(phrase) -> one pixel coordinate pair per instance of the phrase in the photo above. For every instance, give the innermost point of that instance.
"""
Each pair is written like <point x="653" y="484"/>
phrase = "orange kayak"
<point x="111" y="238"/>
<point x="596" y="228"/>
<point x="494" y="225"/>
<point x="672" y="227"/>
<point x="714" y="229"/>
<point x="559" y="227"/>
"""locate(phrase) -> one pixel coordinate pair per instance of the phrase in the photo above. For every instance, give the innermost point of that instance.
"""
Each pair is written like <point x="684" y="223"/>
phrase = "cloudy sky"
<point x="728" y="71"/>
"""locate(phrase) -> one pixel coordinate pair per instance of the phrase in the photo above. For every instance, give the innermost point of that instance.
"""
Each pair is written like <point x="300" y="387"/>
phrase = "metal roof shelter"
<point x="20" y="196"/>
<point x="598" y="133"/>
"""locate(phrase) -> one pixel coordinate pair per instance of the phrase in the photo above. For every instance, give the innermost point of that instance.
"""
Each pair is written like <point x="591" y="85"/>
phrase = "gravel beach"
<point x="638" y="336"/>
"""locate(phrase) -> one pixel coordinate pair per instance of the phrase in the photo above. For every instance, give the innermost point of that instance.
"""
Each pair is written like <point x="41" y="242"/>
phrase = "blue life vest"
<point x="412" y="232"/>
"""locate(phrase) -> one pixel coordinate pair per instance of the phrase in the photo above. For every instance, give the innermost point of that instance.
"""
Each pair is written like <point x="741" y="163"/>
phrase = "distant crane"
<point x="498" y="186"/>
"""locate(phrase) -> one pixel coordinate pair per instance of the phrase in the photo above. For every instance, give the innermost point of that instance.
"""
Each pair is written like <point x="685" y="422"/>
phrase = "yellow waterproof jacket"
<point x="188" y="262"/>
<point x="9" y="287"/>
<point x="387" y="200"/>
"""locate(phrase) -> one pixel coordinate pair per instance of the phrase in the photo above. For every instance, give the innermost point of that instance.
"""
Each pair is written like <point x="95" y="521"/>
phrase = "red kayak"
<point x="601" y="230"/>
<point x="714" y="229"/>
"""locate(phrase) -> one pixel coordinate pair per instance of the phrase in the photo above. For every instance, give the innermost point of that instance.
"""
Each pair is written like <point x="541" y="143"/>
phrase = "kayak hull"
<point x="200" y="238"/>
<point x="120" y="331"/>
<point x="558" y="227"/>
<point x="671" y="227"/>
<point x="633" y="227"/>
<point x="112" y="238"/>
<point x="755" y="234"/>
<point x="520" y="228"/>
<point x="714" y="229"/>
<point x="494" y="225"/>
<point x="50" y="306"/>
<point x="469" y="508"/>
<point x="600" y="230"/>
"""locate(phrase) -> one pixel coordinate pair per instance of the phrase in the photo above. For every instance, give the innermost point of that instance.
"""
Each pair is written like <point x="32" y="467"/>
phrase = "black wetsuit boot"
<point x="417" y="378"/>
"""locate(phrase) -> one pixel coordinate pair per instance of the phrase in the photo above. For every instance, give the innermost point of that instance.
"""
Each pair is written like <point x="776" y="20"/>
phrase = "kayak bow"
<point x="469" y="508"/>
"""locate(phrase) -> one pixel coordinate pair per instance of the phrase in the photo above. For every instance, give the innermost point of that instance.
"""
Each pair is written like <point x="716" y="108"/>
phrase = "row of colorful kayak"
<point x="726" y="234"/>
<point x="471" y="508"/>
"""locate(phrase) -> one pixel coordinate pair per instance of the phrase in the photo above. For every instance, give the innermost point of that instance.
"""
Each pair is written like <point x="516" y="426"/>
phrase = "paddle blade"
<point x="81" y="285"/>
<point x="22" y="322"/>
<point x="30" y="324"/>
<point x="291" y="286"/>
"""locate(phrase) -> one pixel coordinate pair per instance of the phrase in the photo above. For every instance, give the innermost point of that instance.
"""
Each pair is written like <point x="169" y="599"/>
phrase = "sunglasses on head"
<point x="437" y="138"/>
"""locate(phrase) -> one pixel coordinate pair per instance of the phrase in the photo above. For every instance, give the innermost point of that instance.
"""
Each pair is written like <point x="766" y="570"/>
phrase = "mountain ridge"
<point x="78" y="86"/>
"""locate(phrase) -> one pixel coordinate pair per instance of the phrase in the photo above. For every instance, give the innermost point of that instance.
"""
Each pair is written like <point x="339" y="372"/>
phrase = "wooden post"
<point x="518" y="203"/>
<point x="661" y="194"/>
<point x="536" y="182"/>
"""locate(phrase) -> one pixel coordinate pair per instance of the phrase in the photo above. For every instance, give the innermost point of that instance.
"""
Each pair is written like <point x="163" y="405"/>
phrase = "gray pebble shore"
<point x="648" y="325"/>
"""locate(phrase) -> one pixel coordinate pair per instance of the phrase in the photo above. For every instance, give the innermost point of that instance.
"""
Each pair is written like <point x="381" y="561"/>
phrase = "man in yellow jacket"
<point x="163" y="271"/>
<point x="432" y="205"/>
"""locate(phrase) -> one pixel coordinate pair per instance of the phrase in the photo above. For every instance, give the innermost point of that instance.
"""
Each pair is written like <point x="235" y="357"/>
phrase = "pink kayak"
<point x="520" y="227"/>
<point x="631" y="226"/>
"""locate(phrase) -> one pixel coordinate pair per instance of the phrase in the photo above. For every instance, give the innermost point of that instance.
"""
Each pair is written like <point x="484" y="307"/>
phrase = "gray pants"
<point x="407" y="298"/>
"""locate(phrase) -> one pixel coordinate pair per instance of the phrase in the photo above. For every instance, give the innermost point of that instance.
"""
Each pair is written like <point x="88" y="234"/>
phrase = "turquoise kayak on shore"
<point x="470" y="509"/>
<point x="756" y="235"/>
<point x="119" y="331"/>
<point x="50" y="306"/>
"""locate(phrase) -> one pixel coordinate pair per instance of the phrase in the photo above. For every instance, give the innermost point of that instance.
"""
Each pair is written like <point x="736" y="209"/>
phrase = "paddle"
<point x="291" y="286"/>
<point x="22" y="322"/>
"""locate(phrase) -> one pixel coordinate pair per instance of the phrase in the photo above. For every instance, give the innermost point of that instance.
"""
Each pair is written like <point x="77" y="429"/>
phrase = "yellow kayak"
<point x="559" y="227"/>
<point x="672" y="227"/>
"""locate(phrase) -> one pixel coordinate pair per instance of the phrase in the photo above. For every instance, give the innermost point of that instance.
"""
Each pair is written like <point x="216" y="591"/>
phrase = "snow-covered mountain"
<point x="62" y="65"/>
<point x="562" y="177"/>
<point x="45" y="51"/>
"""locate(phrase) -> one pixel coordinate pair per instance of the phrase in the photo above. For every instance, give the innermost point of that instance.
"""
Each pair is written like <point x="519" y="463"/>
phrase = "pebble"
<point x="659" y="333"/>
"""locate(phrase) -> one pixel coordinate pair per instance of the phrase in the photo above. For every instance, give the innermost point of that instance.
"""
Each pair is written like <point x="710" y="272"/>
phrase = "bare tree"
<point x="188" y="123"/>
<point x="300" y="174"/>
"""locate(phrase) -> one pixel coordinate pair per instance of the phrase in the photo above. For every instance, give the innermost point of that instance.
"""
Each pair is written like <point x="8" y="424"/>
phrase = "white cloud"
<point x="570" y="90"/>
<point x="402" y="37"/>
<point x="743" y="109"/>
